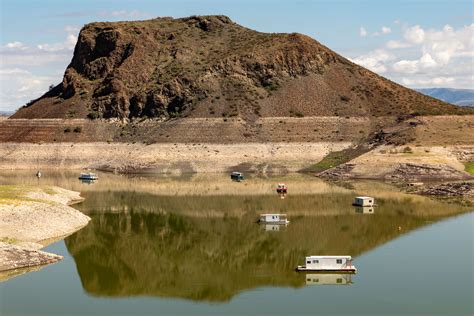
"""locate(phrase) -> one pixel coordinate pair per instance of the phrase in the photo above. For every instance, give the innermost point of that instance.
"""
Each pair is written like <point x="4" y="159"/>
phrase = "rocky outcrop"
<point x="14" y="257"/>
<point x="456" y="189"/>
<point x="409" y="171"/>
<point x="338" y="173"/>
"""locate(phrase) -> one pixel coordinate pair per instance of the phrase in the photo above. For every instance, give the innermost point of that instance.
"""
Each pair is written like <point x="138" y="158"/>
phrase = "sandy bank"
<point x="32" y="218"/>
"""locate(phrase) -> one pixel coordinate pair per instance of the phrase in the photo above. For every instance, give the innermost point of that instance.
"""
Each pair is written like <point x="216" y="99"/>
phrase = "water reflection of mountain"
<point x="209" y="247"/>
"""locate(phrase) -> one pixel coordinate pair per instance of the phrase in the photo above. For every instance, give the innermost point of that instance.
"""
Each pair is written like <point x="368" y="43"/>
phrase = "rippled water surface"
<point x="190" y="245"/>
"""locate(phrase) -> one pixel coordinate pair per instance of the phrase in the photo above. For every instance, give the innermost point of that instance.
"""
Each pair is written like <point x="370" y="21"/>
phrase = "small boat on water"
<point x="237" y="176"/>
<point x="341" y="264"/>
<point x="89" y="176"/>
<point x="275" y="219"/>
<point x="364" y="201"/>
<point x="282" y="188"/>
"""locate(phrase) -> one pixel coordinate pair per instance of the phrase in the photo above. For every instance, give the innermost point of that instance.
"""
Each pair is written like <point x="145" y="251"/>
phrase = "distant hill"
<point x="463" y="97"/>
<point x="211" y="67"/>
<point x="6" y="113"/>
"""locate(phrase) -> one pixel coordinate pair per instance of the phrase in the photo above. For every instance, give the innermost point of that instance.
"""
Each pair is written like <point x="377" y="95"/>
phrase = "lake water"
<point x="190" y="246"/>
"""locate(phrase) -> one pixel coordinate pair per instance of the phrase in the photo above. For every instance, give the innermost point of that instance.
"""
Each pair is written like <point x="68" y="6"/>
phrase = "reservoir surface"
<point x="190" y="245"/>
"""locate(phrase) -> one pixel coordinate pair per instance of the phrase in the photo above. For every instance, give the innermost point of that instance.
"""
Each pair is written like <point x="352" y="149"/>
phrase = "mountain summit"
<point x="209" y="66"/>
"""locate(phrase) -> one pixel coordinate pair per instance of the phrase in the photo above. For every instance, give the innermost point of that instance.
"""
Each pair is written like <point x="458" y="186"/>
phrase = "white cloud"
<point x="442" y="56"/>
<point x="415" y="35"/>
<point x="22" y="69"/>
<point x="362" y="32"/>
<point x="18" y="86"/>
<point x="67" y="44"/>
<point x="16" y="46"/>
<point x="386" y="30"/>
<point x="414" y="66"/>
<point x="393" y="44"/>
<point x="72" y="29"/>
<point x="375" y="60"/>
<point x="429" y="82"/>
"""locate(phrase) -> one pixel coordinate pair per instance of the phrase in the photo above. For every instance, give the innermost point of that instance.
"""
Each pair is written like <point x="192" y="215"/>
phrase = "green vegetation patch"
<point x="9" y="240"/>
<point x="337" y="158"/>
<point x="469" y="167"/>
<point x="17" y="193"/>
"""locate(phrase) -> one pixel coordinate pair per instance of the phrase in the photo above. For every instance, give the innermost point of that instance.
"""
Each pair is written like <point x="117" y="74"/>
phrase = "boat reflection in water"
<point x="88" y="181"/>
<point x="329" y="279"/>
<point x="273" y="228"/>
<point x="364" y="210"/>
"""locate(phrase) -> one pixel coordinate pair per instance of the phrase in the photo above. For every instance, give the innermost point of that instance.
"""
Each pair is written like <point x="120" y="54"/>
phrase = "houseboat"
<point x="89" y="176"/>
<point x="364" y="201"/>
<point x="341" y="264"/>
<point x="328" y="279"/>
<point x="273" y="219"/>
<point x="282" y="188"/>
<point x="237" y="176"/>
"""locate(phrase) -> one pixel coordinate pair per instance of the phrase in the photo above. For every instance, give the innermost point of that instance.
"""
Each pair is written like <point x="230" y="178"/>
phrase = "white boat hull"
<point x="351" y="269"/>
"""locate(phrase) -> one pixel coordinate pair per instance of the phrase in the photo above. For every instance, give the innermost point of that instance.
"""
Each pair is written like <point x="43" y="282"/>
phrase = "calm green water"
<point x="190" y="245"/>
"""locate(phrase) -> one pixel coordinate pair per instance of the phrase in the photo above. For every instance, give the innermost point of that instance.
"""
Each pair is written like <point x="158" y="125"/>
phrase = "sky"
<point x="418" y="44"/>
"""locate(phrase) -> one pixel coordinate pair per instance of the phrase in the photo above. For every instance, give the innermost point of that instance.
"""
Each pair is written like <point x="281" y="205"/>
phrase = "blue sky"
<point x="416" y="43"/>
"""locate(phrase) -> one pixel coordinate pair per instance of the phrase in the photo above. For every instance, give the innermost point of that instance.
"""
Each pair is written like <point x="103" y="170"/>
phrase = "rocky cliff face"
<point x="209" y="66"/>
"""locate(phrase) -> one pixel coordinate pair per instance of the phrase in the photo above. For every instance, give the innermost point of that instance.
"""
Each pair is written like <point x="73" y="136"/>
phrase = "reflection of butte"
<point x="149" y="251"/>
<point x="220" y="206"/>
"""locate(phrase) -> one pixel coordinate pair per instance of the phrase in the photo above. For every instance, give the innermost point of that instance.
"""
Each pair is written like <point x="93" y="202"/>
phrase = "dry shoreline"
<point x="30" y="219"/>
<point x="386" y="162"/>
<point x="166" y="158"/>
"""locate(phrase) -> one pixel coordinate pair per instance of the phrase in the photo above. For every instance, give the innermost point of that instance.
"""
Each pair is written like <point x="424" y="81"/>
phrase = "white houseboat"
<point x="275" y="219"/>
<point x="364" y="201"/>
<point x="88" y="176"/>
<point x="328" y="263"/>
<point x="328" y="279"/>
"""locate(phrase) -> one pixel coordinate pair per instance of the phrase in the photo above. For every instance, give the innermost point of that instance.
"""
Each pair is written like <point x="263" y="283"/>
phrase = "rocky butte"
<point x="205" y="94"/>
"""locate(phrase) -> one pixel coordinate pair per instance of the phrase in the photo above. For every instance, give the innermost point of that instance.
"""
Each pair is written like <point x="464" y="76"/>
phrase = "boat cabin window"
<point x="338" y="260"/>
<point x="315" y="261"/>
<point x="308" y="262"/>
